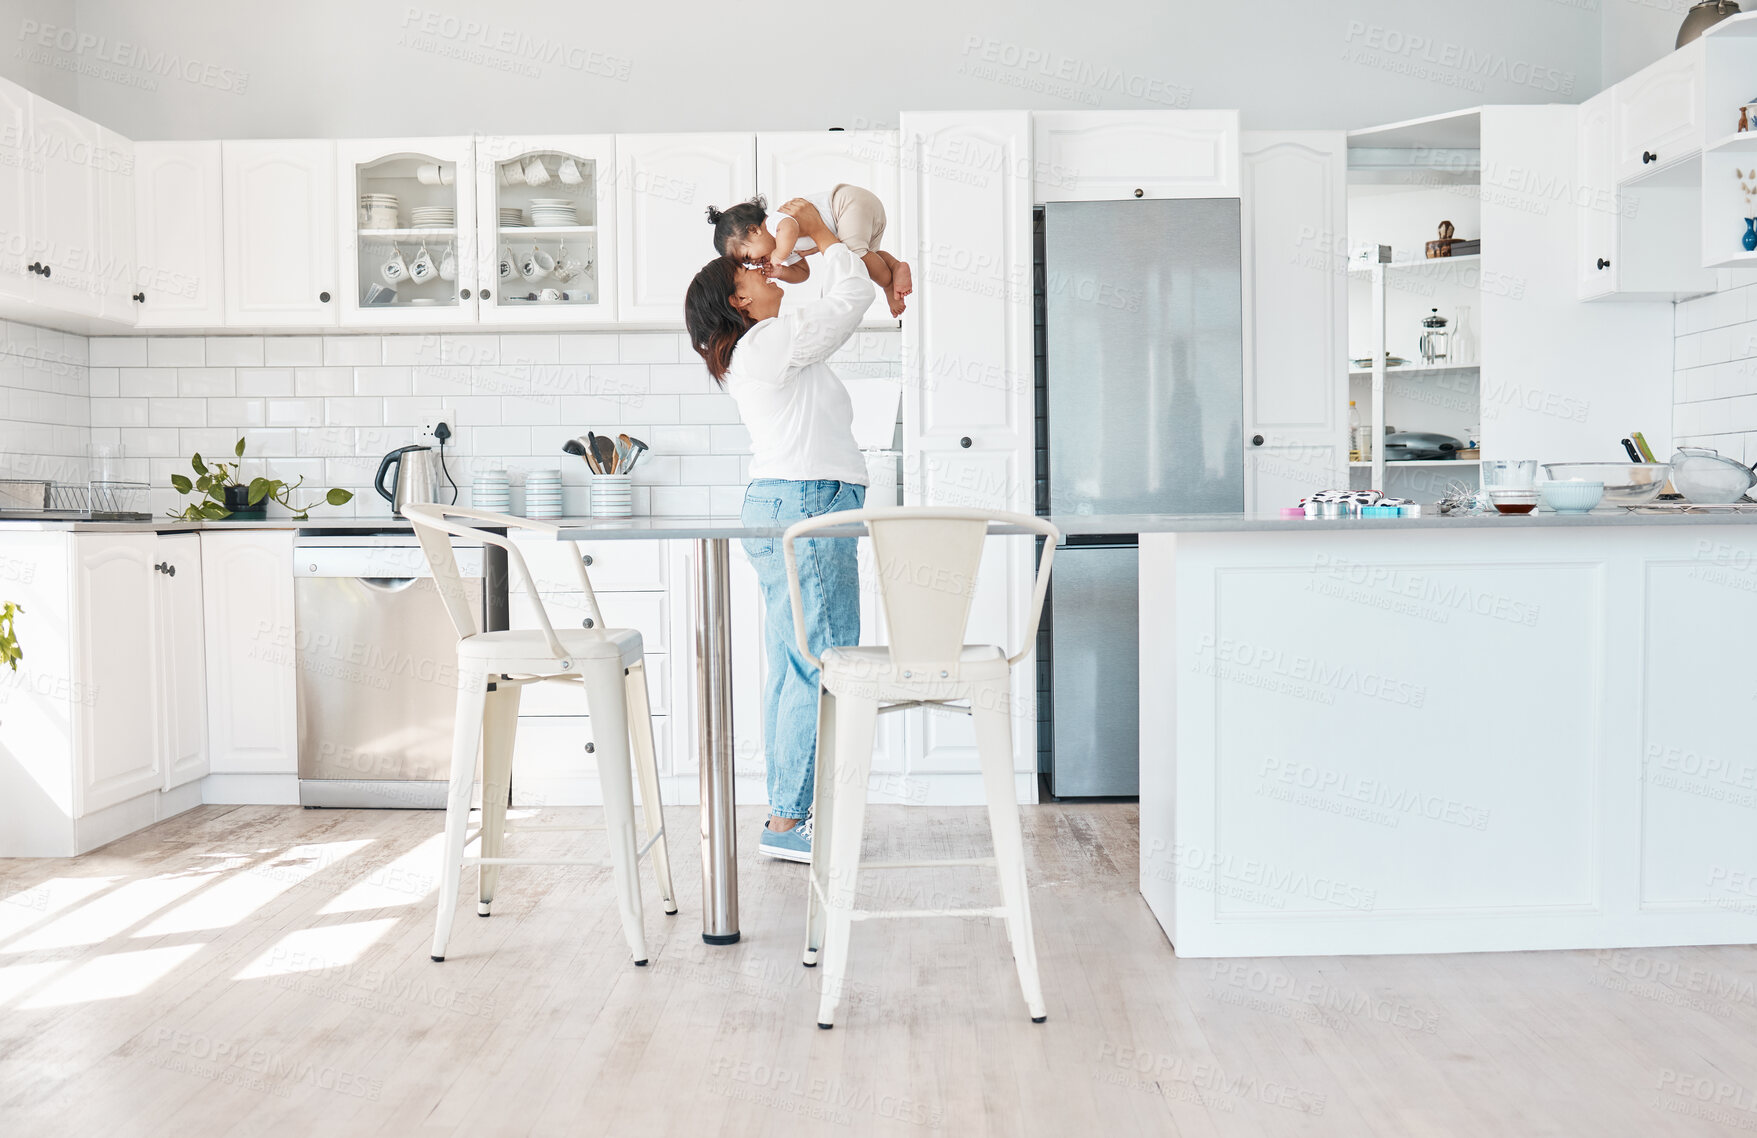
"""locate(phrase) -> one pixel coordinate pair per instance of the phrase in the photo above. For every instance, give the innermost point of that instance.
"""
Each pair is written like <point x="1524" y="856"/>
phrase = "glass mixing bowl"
<point x="1625" y="483"/>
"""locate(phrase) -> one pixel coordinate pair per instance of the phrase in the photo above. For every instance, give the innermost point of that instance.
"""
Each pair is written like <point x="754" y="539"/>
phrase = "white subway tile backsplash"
<point x="140" y="381"/>
<point x="175" y="351"/>
<point x="647" y="347"/>
<point x="208" y="381"/>
<point x="318" y="381"/>
<point x="330" y="406"/>
<point x="292" y="351"/>
<point x="233" y="351"/>
<point x="384" y="380"/>
<point x="267" y="381"/>
<point x="118" y="351"/>
<point x="588" y="347"/>
<point x="351" y="351"/>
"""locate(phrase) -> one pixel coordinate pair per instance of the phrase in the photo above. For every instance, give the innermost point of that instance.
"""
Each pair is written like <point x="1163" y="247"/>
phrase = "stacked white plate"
<point x="433" y="217"/>
<point x="491" y="490"/>
<point x="543" y="494"/>
<point x="378" y="211"/>
<point x="511" y="216"/>
<point x="554" y="211"/>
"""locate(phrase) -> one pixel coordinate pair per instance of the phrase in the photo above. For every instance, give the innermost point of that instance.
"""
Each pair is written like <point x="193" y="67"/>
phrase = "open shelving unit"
<point x="1404" y="178"/>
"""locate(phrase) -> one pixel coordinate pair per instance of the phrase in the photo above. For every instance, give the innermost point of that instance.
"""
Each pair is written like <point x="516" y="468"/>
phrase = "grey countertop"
<point x="1071" y="525"/>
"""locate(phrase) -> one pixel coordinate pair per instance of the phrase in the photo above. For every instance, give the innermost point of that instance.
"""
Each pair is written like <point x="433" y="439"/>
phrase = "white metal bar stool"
<point x="926" y="562"/>
<point x="492" y="668"/>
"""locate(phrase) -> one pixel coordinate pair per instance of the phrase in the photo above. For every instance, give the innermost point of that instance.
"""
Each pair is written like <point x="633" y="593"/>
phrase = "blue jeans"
<point x="829" y="588"/>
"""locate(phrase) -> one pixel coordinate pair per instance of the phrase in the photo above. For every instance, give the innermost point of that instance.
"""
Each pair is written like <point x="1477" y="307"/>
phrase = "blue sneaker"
<point x="788" y="845"/>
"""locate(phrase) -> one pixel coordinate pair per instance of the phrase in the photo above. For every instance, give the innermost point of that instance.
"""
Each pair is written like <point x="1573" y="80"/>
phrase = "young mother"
<point x="804" y="463"/>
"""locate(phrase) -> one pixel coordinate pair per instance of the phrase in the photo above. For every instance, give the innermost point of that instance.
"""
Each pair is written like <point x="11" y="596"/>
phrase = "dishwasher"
<point x="377" y="666"/>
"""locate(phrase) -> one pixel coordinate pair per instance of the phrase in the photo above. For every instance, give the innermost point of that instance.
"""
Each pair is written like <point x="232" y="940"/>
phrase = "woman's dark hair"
<point x="732" y="224"/>
<point x="714" y="325"/>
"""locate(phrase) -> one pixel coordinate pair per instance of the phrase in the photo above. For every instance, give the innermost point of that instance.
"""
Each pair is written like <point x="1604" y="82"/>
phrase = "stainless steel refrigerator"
<point x="1141" y="364"/>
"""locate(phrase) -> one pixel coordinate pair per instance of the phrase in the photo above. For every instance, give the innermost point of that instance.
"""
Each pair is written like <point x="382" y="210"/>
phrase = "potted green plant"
<point x="10" y="652"/>
<point x="222" y="495"/>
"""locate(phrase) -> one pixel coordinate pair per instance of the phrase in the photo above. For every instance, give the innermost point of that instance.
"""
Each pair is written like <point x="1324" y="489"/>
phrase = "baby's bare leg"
<point x="877" y="269"/>
<point x="901" y="279"/>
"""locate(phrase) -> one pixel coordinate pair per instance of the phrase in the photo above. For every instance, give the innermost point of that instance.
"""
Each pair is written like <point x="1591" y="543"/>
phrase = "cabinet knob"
<point x="1256" y="440"/>
<point x="170" y="570"/>
<point x="1603" y="264"/>
<point x="140" y="298"/>
<point x="486" y="294"/>
<point x="586" y="623"/>
<point x="1648" y="156"/>
<point x="324" y="297"/>
<point x="45" y="272"/>
<point x="463" y="294"/>
<point x="964" y="442"/>
<point x="588" y="560"/>
<point x="158" y="567"/>
<point x="1140" y="192"/>
<point x="34" y="267"/>
<point x="590" y="749"/>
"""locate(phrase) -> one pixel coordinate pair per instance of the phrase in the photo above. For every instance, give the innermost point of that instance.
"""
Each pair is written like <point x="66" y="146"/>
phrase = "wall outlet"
<point x="428" y="431"/>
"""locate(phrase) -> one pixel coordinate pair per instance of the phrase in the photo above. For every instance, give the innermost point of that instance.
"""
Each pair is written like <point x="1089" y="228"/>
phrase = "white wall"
<point x="44" y="415"/>
<point x="344" y="68"/>
<point x="1637" y="32"/>
<point x="1715" y="384"/>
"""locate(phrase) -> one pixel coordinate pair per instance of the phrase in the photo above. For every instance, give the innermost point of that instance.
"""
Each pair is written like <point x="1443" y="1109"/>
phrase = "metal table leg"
<point x="713" y="691"/>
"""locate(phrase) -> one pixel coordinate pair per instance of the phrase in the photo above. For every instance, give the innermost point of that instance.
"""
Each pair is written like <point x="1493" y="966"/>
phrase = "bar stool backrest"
<point x="927" y="560"/>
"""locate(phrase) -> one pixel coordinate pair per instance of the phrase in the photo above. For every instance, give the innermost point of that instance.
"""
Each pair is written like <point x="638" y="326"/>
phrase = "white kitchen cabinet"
<point x="393" y="240"/>
<point x="280" y="233"/>
<point x="969" y="380"/>
<point x="1658" y="119"/>
<point x="664" y="182"/>
<point x="580" y="169"/>
<point x="116" y="667"/>
<point x="790" y="164"/>
<point x="1110" y="155"/>
<point x="179" y="235"/>
<point x="1597" y="259"/>
<point x="16" y="283"/>
<point x="1295" y="210"/>
<point x="65" y="211"/>
<point x="247" y="610"/>
<point x="113" y="258"/>
<point x="182" y="658"/>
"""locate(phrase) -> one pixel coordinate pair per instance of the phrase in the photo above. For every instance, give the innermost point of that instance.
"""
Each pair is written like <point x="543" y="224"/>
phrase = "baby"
<point x="773" y="243"/>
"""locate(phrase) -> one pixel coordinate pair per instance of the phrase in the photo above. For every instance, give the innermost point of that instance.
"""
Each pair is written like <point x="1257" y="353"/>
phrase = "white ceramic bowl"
<point x="1573" y="496"/>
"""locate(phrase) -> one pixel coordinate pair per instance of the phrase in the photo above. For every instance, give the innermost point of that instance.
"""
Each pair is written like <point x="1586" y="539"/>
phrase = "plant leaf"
<point x="181" y="484"/>
<point x="200" y="466"/>
<point x="239" y="449"/>
<point x="217" y="493"/>
<point x="258" y="490"/>
<point x="339" y="497"/>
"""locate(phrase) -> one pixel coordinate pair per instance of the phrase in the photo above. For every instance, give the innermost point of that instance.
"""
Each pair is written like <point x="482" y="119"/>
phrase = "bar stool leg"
<point x="823" y="808"/>
<point x="646" y="765"/>
<point x="607" y="701"/>
<point x="465" y="743"/>
<point x="856" y="722"/>
<point x="991" y="716"/>
<point x="500" y="725"/>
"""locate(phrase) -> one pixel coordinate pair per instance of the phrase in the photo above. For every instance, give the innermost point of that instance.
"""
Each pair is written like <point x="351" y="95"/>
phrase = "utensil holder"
<point x="612" y="496"/>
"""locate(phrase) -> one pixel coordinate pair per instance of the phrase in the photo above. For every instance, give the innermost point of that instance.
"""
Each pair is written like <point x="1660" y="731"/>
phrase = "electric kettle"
<point x="415" y="480"/>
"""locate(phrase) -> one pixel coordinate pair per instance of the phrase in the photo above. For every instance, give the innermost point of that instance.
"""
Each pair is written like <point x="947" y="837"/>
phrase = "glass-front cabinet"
<point x="409" y="243"/>
<point x="545" y="219"/>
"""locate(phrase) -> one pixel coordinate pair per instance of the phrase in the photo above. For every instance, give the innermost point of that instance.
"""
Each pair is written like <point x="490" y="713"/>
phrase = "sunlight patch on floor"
<point x="238" y="896"/>
<point x="112" y="976"/>
<point x="110" y="914"/>
<point x="43" y="900"/>
<point x="18" y="978"/>
<point x="314" y="950"/>
<point x="408" y="880"/>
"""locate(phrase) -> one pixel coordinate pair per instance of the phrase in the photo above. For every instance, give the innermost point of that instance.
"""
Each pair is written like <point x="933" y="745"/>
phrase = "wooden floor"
<point x="264" y="971"/>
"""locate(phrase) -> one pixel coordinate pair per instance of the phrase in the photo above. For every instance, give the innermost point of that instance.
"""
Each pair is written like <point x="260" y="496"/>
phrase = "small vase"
<point x="1750" y="234"/>
<point x="238" y="501"/>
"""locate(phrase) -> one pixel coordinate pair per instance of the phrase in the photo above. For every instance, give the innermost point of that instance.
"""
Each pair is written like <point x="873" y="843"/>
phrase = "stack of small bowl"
<point x="543" y="494"/>
<point x="491" y="490"/>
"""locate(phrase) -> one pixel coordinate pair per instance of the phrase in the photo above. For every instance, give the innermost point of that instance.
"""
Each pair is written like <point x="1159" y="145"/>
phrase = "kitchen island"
<point x="1448" y="734"/>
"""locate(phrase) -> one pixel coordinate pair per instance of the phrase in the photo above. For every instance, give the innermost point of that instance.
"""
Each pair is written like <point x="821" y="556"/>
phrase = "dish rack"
<point x="102" y="501"/>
